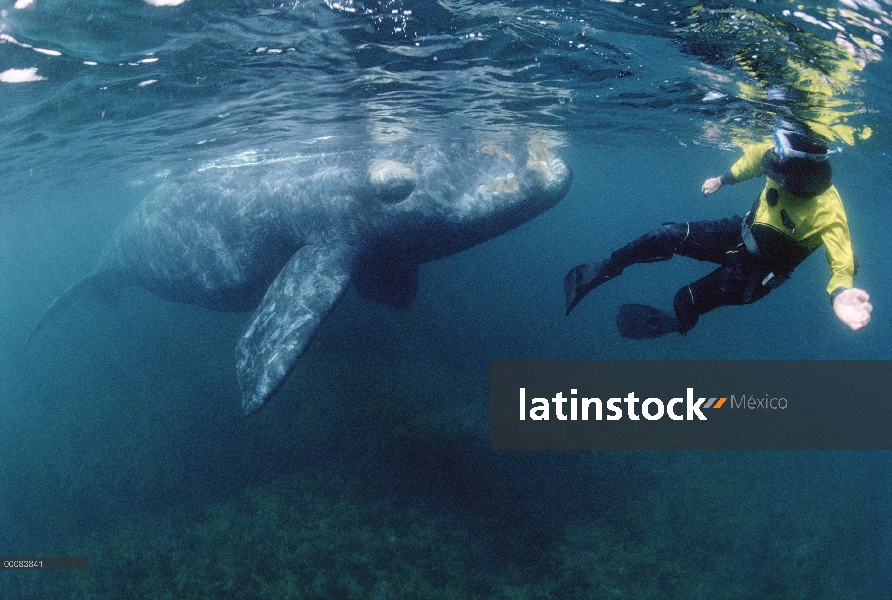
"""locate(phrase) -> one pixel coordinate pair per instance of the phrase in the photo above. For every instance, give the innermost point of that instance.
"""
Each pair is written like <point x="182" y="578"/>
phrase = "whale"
<point x="285" y="235"/>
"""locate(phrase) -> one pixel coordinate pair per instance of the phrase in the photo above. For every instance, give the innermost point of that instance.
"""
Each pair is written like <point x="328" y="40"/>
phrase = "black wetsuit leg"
<point x="702" y="240"/>
<point x="741" y="279"/>
<point x="653" y="246"/>
<point x="737" y="281"/>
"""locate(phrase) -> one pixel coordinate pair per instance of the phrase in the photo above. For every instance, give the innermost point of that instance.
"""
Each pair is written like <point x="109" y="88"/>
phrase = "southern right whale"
<point x="284" y="236"/>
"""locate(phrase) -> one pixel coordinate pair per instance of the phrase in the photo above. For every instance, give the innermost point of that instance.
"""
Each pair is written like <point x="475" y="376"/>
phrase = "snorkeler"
<point x="798" y="212"/>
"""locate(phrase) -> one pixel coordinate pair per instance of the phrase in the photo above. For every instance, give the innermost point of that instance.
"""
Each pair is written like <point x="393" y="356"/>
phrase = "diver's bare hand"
<point x="852" y="308"/>
<point x="712" y="185"/>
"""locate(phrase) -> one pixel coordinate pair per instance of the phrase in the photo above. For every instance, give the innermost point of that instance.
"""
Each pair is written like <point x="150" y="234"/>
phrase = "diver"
<point x="798" y="212"/>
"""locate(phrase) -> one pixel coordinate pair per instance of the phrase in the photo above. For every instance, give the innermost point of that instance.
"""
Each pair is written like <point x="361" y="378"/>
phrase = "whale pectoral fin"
<point x="388" y="279"/>
<point x="302" y="294"/>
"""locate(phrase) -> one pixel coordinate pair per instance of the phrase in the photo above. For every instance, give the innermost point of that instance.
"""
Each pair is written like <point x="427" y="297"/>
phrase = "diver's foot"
<point x="642" y="322"/>
<point x="584" y="278"/>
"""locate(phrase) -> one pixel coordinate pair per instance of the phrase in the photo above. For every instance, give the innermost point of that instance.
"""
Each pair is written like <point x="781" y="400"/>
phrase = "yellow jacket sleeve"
<point x="838" y="245"/>
<point x="750" y="164"/>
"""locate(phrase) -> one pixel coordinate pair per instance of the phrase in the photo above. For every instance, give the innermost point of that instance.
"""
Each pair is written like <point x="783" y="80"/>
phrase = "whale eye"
<point x="392" y="181"/>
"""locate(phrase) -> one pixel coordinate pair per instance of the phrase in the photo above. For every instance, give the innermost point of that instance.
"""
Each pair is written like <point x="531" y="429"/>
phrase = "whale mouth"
<point x="392" y="181"/>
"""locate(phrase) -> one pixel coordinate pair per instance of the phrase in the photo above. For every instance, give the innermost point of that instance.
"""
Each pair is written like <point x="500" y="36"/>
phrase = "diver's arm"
<point x="712" y="185"/>
<point x="852" y="307"/>
<point x="747" y="166"/>
<point x="849" y="303"/>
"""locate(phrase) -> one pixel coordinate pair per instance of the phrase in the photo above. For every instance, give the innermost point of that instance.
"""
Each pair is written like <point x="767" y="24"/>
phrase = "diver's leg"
<point x="656" y="245"/>
<point x="732" y="283"/>
<point x="739" y="282"/>
<point x="712" y="240"/>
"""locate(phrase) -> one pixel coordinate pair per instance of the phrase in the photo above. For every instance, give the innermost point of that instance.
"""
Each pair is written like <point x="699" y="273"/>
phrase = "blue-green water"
<point x="369" y="475"/>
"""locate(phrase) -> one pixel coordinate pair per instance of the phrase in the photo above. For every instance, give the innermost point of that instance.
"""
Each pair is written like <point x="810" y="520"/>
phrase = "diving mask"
<point x="784" y="149"/>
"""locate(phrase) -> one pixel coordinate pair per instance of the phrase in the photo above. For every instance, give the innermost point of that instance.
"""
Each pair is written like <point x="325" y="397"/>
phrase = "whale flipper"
<point x="302" y="294"/>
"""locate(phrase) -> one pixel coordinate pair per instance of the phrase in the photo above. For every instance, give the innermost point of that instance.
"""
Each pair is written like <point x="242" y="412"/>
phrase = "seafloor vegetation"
<point x="713" y="536"/>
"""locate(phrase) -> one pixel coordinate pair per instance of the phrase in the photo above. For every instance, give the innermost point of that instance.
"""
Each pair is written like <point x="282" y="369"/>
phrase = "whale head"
<point x="455" y="196"/>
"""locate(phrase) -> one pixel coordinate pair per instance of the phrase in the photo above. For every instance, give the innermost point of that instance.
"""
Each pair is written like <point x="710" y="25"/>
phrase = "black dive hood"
<point x="798" y="160"/>
<point x="800" y="176"/>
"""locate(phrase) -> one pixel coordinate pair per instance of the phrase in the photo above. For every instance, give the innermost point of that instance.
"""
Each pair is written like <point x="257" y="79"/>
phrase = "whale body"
<point x="284" y="237"/>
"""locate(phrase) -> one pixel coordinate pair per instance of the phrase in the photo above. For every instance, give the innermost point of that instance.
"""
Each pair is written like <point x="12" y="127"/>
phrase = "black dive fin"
<point x="302" y="294"/>
<point x="584" y="278"/>
<point x="642" y="322"/>
<point x="97" y="286"/>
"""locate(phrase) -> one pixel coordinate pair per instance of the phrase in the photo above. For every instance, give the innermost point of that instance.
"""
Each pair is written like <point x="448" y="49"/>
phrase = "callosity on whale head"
<point x="469" y="195"/>
<point x="284" y="237"/>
